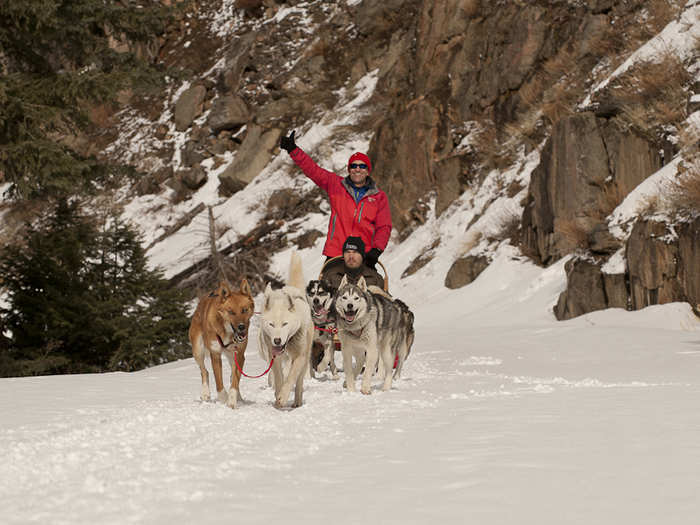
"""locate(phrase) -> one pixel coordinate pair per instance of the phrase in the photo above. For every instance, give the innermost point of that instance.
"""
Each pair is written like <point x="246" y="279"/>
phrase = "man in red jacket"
<point x="358" y="207"/>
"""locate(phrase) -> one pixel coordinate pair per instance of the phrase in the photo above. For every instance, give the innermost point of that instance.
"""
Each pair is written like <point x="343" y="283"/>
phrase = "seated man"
<point x="352" y="265"/>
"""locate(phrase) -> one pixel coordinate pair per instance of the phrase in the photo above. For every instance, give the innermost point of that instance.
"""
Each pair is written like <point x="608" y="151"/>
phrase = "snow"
<point x="503" y="415"/>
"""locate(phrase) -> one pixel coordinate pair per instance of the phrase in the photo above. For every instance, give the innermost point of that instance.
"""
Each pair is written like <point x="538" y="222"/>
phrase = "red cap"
<point x="362" y="158"/>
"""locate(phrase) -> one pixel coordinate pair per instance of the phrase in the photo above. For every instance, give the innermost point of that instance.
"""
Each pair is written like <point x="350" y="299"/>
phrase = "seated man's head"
<point x="353" y="252"/>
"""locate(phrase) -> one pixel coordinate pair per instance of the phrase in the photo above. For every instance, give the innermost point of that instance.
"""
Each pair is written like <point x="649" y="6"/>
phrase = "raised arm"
<point x="312" y="170"/>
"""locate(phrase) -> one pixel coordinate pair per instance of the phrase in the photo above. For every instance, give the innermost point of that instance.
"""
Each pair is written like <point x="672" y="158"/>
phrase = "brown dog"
<point x="220" y="325"/>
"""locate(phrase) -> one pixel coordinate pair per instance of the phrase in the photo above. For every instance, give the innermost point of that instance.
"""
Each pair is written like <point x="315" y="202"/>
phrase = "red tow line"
<point x="235" y="358"/>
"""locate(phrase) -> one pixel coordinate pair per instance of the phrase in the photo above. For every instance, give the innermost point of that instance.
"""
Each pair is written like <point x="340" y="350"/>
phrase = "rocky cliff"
<point x="465" y="89"/>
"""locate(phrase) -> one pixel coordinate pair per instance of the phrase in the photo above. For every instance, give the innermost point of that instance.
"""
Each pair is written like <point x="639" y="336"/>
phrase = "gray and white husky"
<point x="319" y="294"/>
<point x="371" y="327"/>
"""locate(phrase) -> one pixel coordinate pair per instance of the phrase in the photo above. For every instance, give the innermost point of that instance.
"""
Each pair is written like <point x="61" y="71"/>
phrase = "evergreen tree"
<point x="57" y="63"/>
<point x="82" y="299"/>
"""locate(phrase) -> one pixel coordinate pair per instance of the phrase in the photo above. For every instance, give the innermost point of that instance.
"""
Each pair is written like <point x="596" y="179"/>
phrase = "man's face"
<point x="358" y="175"/>
<point x="352" y="259"/>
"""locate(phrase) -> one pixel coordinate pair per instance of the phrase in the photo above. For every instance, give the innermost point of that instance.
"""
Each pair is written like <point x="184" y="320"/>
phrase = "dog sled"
<point x="336" y="260"/>
<point x="384" y="277"/>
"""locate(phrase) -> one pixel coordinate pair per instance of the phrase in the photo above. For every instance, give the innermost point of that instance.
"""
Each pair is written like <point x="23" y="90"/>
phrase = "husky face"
<point x="280" y="321"/>
<point x="319" y="295"/>
<point x="351" y="301"/>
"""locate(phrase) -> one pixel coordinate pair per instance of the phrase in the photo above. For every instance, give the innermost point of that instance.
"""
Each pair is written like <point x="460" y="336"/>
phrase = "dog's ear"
<point x="328" y="286"/>
<point x="291" y="302"/>
<point x="245" y="288"/>
<point x="362" y="285"/>
<point x="268" y="292"/>
<point x="225" y="289"/>
<point x="343" y="281"/>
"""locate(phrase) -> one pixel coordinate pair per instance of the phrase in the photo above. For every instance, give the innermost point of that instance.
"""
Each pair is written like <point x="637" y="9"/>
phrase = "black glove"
<point x="371" y="257"/>
<point x="288" y="142"/>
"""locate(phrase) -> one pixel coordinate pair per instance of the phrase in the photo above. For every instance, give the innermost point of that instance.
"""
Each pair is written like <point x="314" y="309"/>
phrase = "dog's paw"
<point x="204" y="395"/>
<point x="366" y="390"/>
<point x="222" y="396"/>
<point x="232" y="401"/>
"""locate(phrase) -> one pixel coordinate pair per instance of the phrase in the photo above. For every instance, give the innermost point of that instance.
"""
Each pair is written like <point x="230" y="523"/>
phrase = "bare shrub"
<point x="689" y="140"/>
<point x="610" y="198"/>
<point x="649" y="205"/>
<point x="572" y="234"/>
<point x="531" y="91"/>
<point x="620" y="39"/>
<point x="321" y="47"/>
<point x="493" y="152"/>
<point x="470" y="7"/>
<point x="661" y="12"/>
<point x="684" y="192"/>
<point x="472" y="239"/>
<point x="653" y="94"/>
<point x="560" y="101"/>
<point x="609" y="43"/>
<point x="248" y="5"/>
<point x="561" y="64"/>
<point x="508" y="228"/>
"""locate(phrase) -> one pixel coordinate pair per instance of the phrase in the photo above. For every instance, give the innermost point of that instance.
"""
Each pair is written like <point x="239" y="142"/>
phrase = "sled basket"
<point x="384" y="272"/>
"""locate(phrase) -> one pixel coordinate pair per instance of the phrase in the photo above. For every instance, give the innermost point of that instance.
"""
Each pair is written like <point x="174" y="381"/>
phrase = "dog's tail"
<point x="296" y="272"/>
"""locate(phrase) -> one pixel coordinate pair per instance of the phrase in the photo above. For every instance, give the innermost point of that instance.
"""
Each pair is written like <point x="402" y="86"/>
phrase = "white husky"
<point x="286" y="334"/>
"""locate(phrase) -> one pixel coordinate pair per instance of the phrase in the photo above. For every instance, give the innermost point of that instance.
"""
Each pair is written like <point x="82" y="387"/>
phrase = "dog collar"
<point x="221" y="341"/>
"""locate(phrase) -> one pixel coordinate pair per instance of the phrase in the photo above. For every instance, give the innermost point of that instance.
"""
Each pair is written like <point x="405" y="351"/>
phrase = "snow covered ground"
<point x="504" y="415"/>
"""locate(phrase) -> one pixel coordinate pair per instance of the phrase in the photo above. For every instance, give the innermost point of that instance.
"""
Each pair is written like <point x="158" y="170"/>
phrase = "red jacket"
<point x="370" y="218"/>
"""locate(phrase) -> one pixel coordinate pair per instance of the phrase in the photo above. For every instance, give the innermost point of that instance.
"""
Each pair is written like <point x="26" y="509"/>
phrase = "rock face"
<point x="252" y="157"/>
<point x="689" y="262"/>
<point x="652" y="265"/>
<point x="662" y="267"/>
<point x="464" y="270"/>
<point x="587" y="166"/>
<point x="463" y="61"/>
<point x="585" y="291"/>
<point x="444" y="69"/>
<point x="228" y="112"/>
<point x="189" y="106"/>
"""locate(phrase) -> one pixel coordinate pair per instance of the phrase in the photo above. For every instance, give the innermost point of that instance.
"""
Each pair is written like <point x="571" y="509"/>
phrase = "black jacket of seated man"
<point x="336" y="269"/>
<point x="353" y="265"/>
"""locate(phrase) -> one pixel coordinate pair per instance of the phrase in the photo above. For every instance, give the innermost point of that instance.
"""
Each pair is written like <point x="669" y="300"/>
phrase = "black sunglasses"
<point x="361" y="166"/>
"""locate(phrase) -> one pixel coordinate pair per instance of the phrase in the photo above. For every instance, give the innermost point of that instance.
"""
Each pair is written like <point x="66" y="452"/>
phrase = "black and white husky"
<point x="371" y="327"/>
<point x="319" y="294"/>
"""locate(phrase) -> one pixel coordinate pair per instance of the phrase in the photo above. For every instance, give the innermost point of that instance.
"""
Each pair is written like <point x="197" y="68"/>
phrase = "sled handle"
<point x="333" y="259"/>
